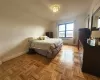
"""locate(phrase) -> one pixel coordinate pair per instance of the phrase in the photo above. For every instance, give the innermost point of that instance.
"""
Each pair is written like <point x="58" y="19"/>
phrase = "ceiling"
<point x="20" y="8"/>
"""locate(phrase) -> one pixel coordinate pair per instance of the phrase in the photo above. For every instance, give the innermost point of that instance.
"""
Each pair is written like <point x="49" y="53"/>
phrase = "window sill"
<point x="67" y="38"/>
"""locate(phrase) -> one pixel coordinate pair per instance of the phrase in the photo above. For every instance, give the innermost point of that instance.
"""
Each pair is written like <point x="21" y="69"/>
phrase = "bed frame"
<point x="47" y="53"/>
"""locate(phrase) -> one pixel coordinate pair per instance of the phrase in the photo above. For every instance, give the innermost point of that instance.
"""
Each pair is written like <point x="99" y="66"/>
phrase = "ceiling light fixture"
<point x="55" y="8"/>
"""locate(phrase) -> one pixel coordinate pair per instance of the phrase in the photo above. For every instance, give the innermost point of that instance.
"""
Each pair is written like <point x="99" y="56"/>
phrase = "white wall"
<point x="79" y="22"/>
<point x="14" y="33"/>
<point x="87" y="21"/>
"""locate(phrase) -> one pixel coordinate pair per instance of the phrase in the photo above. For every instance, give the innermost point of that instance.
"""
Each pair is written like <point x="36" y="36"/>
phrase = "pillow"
<point x="46" y="37"/>
<point x="42" y="37"/>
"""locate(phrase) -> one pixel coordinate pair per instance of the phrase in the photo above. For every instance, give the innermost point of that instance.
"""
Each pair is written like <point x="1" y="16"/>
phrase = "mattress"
<point x="48" y="47"/>
<point x="46" y="44"/>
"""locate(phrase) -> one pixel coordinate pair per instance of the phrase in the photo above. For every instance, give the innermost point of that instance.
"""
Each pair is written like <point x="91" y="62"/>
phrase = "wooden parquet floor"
<point x="65" y="66"/>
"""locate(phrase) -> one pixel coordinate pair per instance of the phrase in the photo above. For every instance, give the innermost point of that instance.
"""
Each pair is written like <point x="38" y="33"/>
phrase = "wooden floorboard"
<point x="65" y="66"/>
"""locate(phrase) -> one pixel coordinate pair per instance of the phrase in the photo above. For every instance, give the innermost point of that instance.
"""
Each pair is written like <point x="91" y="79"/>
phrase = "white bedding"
<point x="46" y="44"/>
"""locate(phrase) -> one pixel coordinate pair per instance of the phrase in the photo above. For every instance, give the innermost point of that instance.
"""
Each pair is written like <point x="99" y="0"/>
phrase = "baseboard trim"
<point x="13" y="56"/>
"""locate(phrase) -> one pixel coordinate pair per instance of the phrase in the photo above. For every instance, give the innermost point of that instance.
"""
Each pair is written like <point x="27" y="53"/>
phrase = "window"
<point x="66" y="30"/>
<point x="99" y="23"/>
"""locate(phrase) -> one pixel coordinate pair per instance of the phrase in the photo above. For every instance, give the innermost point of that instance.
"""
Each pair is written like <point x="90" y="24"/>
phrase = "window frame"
<point x="66" y="30"/>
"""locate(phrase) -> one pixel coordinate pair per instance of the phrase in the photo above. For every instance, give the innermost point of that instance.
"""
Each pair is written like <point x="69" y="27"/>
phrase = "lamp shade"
<point x="95" y="34"/>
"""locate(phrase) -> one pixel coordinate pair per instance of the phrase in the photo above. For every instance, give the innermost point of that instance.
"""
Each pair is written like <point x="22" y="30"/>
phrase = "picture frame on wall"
<point x="94" y="19"/>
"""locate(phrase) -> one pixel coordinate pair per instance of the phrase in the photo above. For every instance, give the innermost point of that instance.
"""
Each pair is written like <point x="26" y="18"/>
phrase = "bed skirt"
<point x="48" y="54"/>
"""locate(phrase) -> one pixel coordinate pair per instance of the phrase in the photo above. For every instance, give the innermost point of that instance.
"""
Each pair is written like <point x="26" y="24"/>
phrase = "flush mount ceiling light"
<point x="55" y="8"/>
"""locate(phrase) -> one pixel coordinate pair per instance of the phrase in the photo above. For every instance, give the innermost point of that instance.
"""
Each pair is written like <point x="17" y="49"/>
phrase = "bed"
<point x="48" y="47"/>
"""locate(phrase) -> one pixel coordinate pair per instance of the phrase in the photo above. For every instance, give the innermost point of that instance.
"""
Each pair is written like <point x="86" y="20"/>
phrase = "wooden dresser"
<point x="90" y="55"/>
<point x="91" y="60"/>
<point x="49" y="34"/>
